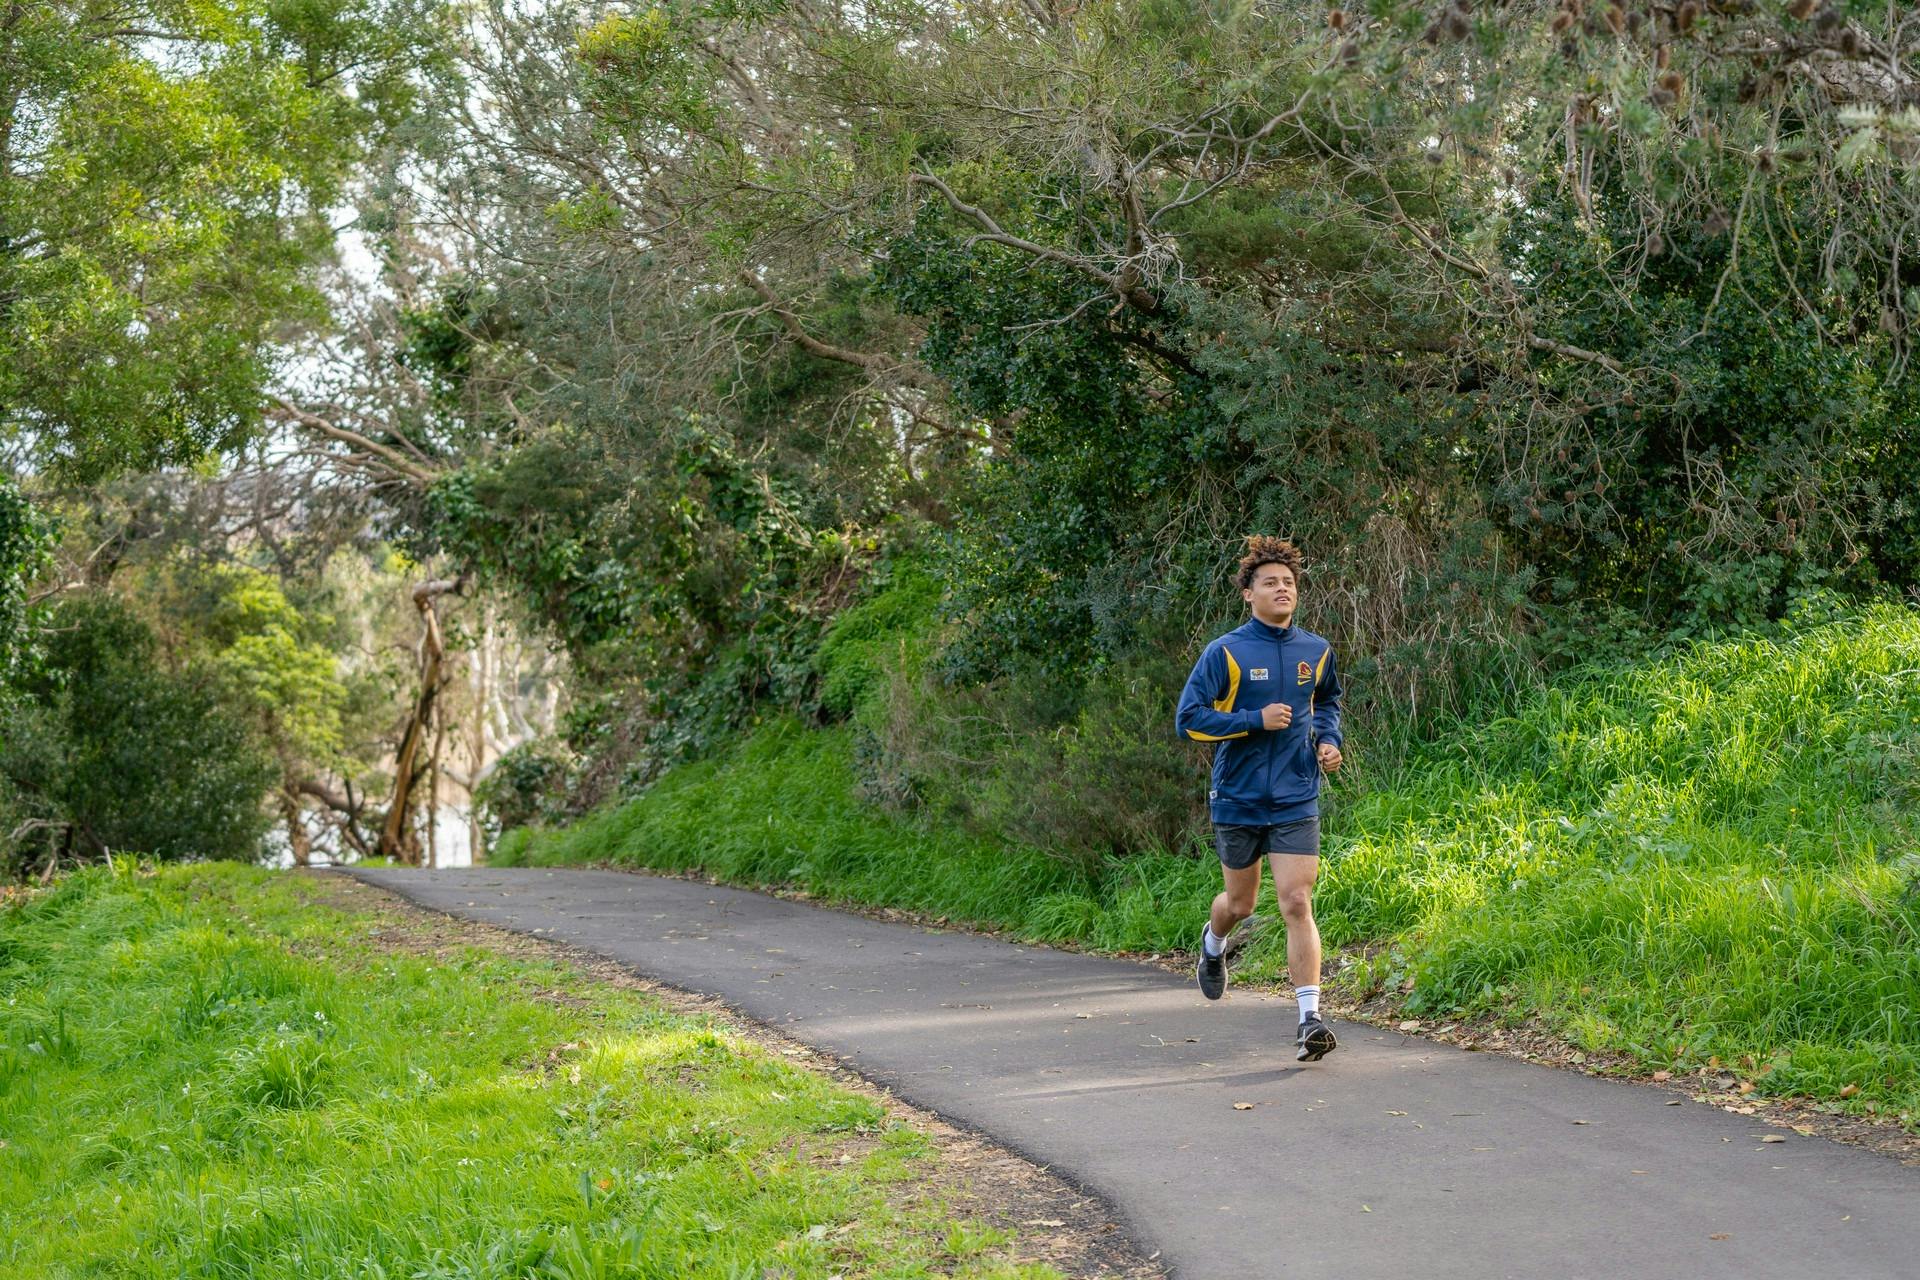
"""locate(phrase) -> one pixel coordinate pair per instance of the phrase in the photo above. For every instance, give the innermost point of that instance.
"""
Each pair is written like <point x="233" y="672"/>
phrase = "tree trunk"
<point x="481" y="671"/>
<point x="398" y="838"/>
<point x="299" y="844"/>
<point x="433" y="791"/>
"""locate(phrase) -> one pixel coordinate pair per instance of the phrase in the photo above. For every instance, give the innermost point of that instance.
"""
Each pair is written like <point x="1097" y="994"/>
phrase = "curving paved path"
<point x="1394" y="1157"/>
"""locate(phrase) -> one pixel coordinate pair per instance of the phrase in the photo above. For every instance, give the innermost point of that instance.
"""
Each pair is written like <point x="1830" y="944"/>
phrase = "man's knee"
<point x="1296" y="903"/>
<point x="1237" y="905"/>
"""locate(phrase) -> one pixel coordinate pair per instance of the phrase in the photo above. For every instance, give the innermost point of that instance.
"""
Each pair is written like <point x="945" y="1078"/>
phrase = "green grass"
<point x="1707" y="858"/>
<point x="204" y="1073"/>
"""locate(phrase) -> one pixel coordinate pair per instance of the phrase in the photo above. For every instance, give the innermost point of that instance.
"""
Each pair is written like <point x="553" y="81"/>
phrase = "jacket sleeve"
<point x="1214" y="682"/>
<point x="1326" y="702"/>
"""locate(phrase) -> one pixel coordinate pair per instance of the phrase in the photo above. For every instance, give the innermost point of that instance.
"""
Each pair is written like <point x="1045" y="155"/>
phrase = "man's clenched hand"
<point x="1275" y="715"/>
<point x="1329" y="757"/>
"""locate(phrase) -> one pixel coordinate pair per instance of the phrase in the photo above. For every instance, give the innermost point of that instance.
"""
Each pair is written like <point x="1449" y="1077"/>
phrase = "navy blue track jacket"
<point x="1262" y="777"/>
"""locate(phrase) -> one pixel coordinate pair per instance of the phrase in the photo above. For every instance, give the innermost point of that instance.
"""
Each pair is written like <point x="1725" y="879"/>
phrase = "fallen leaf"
<point x="817" y="1233"/>
<point x="1243" y="1106"/>
<point x="1718" y="1235"/>
<point x="1411" y="1024"/>
<point x="1662" y="1076"/>
<point x="1773" y="1137"/>
<point x="1083" y="1015"/>
<point x="1396" y="1113"/>
<point x="1805" y="1131"/>
<point x="1847" y="1091"/>
<point x="1641" y="1171"/>
<point x="1580" y="1122"/>
<point x="1043" y="1222"/>
<point x="1746" y="1086"/>
<point x="1365" y="1209"/>
<point x="1674" y="1103"/>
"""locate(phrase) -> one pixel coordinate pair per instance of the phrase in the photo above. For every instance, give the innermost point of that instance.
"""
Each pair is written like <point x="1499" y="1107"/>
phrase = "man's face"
<point x="1273" y="594"/>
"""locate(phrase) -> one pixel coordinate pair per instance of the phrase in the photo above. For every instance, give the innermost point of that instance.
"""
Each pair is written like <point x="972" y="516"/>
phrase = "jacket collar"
<point x="1279" y="635"/>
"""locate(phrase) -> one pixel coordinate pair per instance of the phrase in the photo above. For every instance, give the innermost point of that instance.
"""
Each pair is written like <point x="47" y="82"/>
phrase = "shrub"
<point x="524" y="788"/>
<point x="149" y="760"/>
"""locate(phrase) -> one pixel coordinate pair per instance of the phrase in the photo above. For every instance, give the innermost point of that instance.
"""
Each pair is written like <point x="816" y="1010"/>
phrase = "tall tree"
<point x="167" y="172"/>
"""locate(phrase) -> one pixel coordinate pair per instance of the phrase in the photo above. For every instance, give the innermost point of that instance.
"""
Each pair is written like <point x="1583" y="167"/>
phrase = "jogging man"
<point x="1267" y="693"/>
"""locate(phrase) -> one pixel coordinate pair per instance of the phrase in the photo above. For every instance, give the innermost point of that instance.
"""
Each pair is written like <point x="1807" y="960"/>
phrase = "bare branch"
<point x="392" y="458"/>
<point x="899" y="370"/>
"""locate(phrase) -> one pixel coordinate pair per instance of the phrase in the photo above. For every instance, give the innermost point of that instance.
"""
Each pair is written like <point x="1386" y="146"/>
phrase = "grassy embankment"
<point x="204" y="1074"/>
<point x="1712" y="856"/>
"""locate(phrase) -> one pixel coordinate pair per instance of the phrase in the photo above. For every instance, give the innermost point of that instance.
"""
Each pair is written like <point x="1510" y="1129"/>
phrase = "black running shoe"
<point x="1316" y="1040"/>
<point x="1211" y="972"/>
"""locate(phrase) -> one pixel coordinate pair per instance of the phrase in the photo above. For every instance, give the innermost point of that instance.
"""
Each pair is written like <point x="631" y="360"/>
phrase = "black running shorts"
<point x="1241" y="847"/>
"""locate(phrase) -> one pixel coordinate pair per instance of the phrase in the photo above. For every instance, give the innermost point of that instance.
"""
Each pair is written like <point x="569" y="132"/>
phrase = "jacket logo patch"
<point x="1305" y="671"/>
<point x="1258" y="673"/>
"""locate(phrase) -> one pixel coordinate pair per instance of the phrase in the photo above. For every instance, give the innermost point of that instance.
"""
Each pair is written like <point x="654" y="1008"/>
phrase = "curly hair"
<point x="1262" y="550"/>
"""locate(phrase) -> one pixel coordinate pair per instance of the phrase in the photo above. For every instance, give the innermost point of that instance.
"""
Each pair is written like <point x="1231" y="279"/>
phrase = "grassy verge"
<point x="1709" y="860"/>
<point x="203" y="1073"/>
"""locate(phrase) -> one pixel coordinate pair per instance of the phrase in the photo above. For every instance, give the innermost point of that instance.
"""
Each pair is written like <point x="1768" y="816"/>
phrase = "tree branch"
<point x="1135" y="294"/>
<point x="1606" y="362"/>
<point x="393" y="459"/>
<point x="900" y="371"/>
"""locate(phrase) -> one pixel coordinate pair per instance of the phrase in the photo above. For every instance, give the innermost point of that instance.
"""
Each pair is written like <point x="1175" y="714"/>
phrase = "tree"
<point x="23" y="551"/>
<point x="1535" y="322"/>
<point x="167" y="170"/>
<point x="117" y="753"/>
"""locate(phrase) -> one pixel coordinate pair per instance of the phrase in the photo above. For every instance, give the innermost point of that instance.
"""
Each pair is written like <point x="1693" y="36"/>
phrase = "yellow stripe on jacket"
<point x="1223" y="704"/>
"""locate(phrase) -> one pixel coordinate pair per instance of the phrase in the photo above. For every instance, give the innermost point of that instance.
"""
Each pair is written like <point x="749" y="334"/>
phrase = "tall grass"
<point x="203" y="1075"/>
<point x="1708" y="857"/>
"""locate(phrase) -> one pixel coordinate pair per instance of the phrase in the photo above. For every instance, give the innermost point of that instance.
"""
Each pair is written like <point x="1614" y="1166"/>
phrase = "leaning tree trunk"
<point x="299" y="843"/>
<point x="398" y="839"/>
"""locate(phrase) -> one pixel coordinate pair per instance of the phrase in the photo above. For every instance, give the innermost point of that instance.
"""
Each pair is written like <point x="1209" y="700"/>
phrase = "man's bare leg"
<point x="1236" y="902"/>
<point x="1230" y="906"/>
<point x="1294" y="875"/>
<point x="1293" y="879"/>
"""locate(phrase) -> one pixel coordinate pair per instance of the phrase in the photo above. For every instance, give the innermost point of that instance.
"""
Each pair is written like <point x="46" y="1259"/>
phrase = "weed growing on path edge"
<point x="1708" y="860"/>
<point x="209" y="1076"/>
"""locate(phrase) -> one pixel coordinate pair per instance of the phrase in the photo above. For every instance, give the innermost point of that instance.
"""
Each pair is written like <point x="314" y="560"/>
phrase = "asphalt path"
<point x="1395" y="1156"/>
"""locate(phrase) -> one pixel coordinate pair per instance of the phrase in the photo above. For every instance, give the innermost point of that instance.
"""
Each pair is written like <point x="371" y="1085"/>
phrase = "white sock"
<point x="1309" y="998"/>
<point x="1209" y="943"/>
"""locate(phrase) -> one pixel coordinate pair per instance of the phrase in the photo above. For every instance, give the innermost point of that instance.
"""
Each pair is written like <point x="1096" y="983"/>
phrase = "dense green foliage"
<point x="172" y="179"/>
<point x="166" y="169"/>
<point x="1548" y="331"/>
<point x="210" y="1072"/>
<point x="23" y="539"/>
<point x="111" y="749"/>
<point x="1707" y="856"/>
